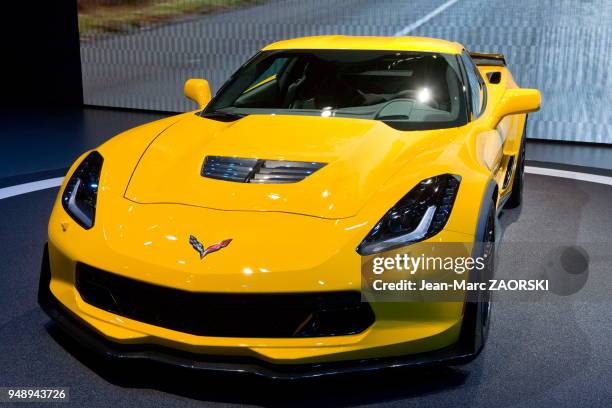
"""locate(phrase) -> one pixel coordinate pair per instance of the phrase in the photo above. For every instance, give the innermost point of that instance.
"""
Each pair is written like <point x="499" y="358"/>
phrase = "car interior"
<point x="412" y="87"/>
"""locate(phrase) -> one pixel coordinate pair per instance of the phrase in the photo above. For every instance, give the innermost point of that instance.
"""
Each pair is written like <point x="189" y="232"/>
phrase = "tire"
<point x="516" y="195"/>
<point x="484" y="297"/>
<point x="478" y="310"/>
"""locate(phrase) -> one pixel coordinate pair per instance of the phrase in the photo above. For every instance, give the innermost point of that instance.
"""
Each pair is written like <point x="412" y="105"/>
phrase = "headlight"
<point x="79" y="198"/>
<point x="421" y="213"/>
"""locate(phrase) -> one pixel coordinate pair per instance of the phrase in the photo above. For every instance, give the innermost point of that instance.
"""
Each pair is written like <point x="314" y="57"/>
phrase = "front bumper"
<point x="463" y="351"/>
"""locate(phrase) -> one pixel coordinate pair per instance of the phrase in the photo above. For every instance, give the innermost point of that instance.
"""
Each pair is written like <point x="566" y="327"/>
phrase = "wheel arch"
<point x="489" y="198"/>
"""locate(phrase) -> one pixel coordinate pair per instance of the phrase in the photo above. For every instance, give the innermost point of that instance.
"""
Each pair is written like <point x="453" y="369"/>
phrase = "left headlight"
<point x="79" y="197"/>
<point x="421" y="213"/>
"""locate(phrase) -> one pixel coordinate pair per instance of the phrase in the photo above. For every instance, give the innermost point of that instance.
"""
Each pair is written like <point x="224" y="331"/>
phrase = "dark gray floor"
<point x="552" y="351"/>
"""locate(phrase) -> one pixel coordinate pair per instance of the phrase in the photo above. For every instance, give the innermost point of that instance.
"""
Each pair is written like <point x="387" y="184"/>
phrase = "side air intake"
<point x="257" y="171"/>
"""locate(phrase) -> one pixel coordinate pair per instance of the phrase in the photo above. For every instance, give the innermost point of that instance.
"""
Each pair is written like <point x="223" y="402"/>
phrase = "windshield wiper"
<point x="222" y="116"/>
<point x="393" y="117"/>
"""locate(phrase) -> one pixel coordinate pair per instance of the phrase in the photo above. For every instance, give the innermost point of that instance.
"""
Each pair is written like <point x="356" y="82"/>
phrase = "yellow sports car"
<point x="232" y="237"/>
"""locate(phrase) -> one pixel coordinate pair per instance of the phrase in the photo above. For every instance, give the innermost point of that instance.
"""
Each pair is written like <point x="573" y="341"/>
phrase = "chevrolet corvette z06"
<point x="232" y="237"/>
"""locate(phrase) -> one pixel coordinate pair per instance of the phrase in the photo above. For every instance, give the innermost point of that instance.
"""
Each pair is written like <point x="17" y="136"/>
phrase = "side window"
<point x="477" y="86"/>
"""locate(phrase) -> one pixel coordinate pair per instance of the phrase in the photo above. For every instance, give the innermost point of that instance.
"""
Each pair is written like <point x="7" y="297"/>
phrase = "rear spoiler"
<point x="481" y="59"/>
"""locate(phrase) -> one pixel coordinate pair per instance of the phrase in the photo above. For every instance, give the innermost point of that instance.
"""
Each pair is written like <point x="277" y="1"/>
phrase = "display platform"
<point x="539" y="351"/>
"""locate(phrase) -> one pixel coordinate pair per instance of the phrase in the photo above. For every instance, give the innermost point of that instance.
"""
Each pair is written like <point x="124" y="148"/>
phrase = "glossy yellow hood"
<point x="360" y="156"/>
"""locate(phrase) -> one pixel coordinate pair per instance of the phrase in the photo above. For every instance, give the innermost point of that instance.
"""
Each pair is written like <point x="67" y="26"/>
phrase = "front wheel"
<point x="484" y="301"/>
<point x="478" y="309"/>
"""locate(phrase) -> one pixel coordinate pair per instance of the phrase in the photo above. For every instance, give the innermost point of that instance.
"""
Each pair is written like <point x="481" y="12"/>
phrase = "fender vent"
<point x="508" y="172"/>
<point x="258" y="171"/>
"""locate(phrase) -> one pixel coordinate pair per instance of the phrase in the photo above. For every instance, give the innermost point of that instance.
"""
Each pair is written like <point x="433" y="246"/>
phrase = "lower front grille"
<point x="279" y="315"/>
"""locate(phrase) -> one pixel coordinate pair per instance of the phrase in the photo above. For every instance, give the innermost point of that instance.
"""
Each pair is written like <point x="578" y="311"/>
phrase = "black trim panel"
<point x="484" y="59"/>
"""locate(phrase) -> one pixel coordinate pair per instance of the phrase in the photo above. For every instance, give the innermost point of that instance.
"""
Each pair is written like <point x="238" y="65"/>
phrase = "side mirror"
<point x="516" y="101"/>
<point x="198" y="91"/>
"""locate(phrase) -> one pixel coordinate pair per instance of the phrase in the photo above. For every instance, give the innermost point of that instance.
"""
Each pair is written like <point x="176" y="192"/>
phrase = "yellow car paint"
<point x="344" y="42"/>
<point x="151" y="197"/>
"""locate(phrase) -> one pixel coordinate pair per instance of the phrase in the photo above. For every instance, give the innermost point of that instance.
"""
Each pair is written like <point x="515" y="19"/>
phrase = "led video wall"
<point x="138" y="53"/>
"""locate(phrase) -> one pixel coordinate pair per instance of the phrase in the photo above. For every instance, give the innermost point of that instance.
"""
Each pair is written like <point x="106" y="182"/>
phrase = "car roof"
<point x="330" y="42"/>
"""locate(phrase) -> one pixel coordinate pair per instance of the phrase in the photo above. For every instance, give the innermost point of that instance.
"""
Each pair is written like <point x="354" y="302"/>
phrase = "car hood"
<point x="360" y="155"/>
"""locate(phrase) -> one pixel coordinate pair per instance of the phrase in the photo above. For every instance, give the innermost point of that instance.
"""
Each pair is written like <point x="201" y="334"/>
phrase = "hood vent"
<point x="257" y="171"/>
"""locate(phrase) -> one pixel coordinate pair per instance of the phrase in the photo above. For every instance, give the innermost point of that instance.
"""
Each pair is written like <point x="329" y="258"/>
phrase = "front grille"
<point x="256" y="170"/>
<point x="281" y="315"/>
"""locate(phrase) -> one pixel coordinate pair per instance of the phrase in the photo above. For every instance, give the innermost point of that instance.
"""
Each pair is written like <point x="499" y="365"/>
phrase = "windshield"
<point x="407" y="90"/>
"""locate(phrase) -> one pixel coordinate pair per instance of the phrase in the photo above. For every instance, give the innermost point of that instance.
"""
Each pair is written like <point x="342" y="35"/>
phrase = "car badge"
<point x="197" y="245"/>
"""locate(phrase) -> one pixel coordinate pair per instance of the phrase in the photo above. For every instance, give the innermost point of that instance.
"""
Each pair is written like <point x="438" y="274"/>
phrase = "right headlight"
<point x="81" y="193"/>
<point x="421" y="213"/>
